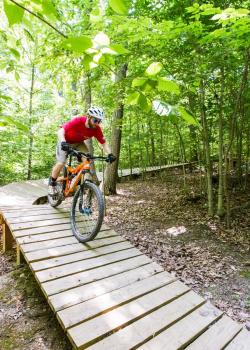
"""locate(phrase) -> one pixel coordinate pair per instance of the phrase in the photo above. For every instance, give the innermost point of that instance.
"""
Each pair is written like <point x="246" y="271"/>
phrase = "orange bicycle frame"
<point x="78" y="172"/>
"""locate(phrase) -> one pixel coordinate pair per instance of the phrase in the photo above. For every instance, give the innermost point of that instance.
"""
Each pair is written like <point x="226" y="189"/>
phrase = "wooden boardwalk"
<point x="107" y="295"/>
<point x="35" y="191"/>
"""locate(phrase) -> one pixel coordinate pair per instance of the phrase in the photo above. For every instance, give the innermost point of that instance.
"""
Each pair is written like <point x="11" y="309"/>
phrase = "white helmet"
<point x="96" y="112"/>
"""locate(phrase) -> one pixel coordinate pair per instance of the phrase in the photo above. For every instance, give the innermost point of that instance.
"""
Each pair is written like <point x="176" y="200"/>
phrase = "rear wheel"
<point x="55" y="195"/>
<point x="87" y="212"/>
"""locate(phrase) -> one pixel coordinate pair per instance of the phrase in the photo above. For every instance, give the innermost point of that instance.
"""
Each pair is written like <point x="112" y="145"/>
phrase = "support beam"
<point x="19" y="255"/>
<point x="7" y="237"/>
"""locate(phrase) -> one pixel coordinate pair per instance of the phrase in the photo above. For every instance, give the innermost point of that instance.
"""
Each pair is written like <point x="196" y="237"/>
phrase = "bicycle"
<point x="87" y="208"/>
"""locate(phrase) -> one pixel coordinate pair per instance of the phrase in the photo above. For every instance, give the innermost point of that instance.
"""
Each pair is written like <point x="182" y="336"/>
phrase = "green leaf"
<point x="144" y="103"/>
<point x="133" y="98"/>
<point x="119" y="49"/>
<point x="28" y="35"/>
<point x="168" y="85"/>
<point x="139" y="82"/>
<point x="119" y="6"/>
<point x="10" y="121"/>
<point x="86" y="62"/>
<point x="95" y="15"/>
<point x="15" y="53"/>
<point x="77" y="44"/>
<point x="13" y="13"/>
<point x="187" y="117"/>
<point x="49" y="8"/>
<point x="154" y="68"/>
<point x="6" y="98"/>
<point x="17" y="76"/>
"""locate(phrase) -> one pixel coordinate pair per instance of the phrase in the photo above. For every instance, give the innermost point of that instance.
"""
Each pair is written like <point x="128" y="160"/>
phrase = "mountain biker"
<point x="73" y="134"/>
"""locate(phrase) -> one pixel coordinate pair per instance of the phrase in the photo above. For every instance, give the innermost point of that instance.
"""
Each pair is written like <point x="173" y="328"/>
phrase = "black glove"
<point x="88" y="156"/>
<point x="111" y="158"/>
<point x="65" y="146"/>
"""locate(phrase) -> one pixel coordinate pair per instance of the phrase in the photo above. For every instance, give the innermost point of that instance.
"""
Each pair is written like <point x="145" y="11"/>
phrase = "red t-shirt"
<point x="76" y="131"/>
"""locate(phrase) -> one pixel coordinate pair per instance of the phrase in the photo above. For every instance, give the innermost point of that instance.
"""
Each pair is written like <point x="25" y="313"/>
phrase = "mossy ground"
<point x="26" y="321"/>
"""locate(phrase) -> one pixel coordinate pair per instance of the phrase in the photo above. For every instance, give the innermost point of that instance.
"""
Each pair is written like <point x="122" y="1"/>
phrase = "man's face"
<point x="93" y="122"/>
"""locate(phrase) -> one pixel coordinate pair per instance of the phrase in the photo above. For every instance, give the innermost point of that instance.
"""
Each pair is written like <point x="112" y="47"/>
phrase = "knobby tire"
<point x="84" y="226"/>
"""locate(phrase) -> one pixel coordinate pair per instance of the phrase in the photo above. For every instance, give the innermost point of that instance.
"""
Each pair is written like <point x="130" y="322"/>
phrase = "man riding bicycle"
<point x="73" y="134"/>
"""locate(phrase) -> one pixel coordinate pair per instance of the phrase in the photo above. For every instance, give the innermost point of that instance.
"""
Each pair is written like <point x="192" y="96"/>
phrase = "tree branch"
<point x="37" y="16"/>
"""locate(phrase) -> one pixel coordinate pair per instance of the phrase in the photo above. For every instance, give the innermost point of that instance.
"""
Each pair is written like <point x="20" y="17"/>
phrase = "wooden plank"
<point x="53" y="243"/>
<point x="36" y="211"/>
<point x="93" y="330"/>
<point x="47" y="220"/>
<point x="106" y="285"/>
<point x="58" y="235"/>
<point x="24" y="207"/>
<point x="217" y="336"/>
<point x="35" y="218"/>
<point x="150" y="325"/>
<point x="88" y="309"/>
<point x="87" y="254"/>
<point x="64" y="283"/>
<point x="26" y="225"/>
<point x="33" y="209"/>
<point x="186" y="330"/>
<point x="85" y="265"/>
<point x="69" y="249"/>
<point x="47" y="229"/>
<point x="44" y="236"/>
<point x="240" y="342"/>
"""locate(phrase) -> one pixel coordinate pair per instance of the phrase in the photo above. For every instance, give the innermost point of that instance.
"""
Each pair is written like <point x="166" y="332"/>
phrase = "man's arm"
<point x="61" y="135"/>
<point x="106" y="148"/>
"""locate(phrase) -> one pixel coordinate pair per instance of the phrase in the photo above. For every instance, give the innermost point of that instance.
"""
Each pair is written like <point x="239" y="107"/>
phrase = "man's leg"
<point x="56" y="170"/>
<point x="61" y="157"/>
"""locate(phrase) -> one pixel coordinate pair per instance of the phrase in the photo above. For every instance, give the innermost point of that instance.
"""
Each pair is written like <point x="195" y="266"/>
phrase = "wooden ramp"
<point x="107" y="295"/>
<point x="35" y="191"/>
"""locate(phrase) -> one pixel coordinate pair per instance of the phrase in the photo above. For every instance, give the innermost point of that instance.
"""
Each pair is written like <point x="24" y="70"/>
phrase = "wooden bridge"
<point x="107" y="295"/>
<point x="35" y="191"/>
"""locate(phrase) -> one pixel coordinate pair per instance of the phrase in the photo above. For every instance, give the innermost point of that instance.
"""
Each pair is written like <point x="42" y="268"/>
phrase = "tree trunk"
<point x="31" y="137"/>
<point x="205" y="134"/>
<point x="111" y="172"/>
<point x="228" y="152"/>
<point x="220" y="208"/>
<point x="152" y="142"/>
<point x="86" y="96"/>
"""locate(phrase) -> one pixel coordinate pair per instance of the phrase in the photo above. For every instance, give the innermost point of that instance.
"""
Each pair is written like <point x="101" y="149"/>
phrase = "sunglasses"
<point x="96" y="121"/>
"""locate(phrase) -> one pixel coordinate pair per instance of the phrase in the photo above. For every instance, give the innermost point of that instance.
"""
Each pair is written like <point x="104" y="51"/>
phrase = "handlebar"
<point x="88" y="156"/>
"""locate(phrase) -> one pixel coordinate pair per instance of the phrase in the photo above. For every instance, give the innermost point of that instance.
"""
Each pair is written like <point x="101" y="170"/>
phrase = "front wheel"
<point x="87" y="212"/>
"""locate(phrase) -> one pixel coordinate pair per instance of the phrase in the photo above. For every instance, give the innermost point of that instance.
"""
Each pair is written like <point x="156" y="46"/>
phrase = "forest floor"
<point x="167" y="223"/>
